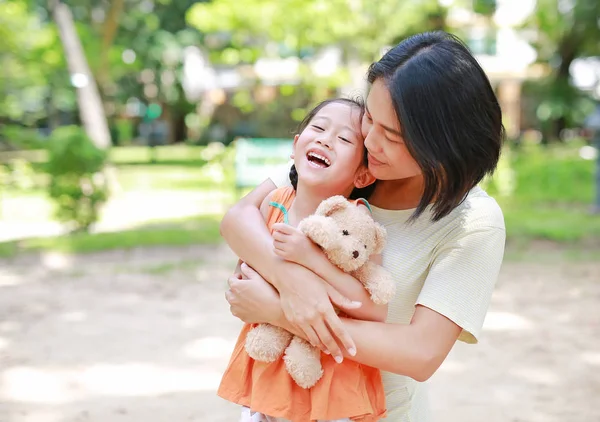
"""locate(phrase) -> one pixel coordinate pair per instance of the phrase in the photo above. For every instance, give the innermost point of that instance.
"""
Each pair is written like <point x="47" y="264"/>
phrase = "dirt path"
<point x="144" y="336"/>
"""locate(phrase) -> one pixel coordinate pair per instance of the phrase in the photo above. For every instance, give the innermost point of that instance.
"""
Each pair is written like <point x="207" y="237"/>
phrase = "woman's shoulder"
<point x="479" y="210"/>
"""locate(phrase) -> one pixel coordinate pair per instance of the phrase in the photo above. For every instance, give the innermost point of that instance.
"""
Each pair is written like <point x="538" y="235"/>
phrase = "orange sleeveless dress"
<point x="347" y="390"/>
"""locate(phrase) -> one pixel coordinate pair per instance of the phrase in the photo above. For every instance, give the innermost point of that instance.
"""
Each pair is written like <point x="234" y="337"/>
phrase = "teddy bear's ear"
<point x="320" y="230"/>
<point x="380" y="237"/>
<point x="331" y="205"/>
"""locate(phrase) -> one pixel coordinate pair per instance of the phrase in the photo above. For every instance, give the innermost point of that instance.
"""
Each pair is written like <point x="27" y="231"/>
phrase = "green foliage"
<point x="549" y="99"/>
<point x="565" y="31"/>
<point x="34" y="73"/>
<point x="19" y="137"/>
<point x="484" y="7"/>
<point x="76" y="183"/>
<point x="360" y="27"/>
<point x="553" y="176"/>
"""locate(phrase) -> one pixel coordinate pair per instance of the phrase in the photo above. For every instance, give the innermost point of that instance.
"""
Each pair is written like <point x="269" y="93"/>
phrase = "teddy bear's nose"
<point x="355" y="254"/>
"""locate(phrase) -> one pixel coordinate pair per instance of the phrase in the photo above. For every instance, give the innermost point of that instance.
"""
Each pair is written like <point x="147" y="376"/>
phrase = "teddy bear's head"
<point x="346" y="232"/>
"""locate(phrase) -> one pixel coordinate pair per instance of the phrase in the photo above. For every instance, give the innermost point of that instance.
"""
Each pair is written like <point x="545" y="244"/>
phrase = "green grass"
<point x="545" y="194"/>
<point x="126" y="155"/>
<point x="177" y="167"/>
<point x="551" y="222"/>
<point x="173" y="177"/>
<point x="200" y="230"/>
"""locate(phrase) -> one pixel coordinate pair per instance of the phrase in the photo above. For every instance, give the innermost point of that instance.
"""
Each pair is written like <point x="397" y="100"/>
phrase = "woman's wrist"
<point x="279" y="273"/>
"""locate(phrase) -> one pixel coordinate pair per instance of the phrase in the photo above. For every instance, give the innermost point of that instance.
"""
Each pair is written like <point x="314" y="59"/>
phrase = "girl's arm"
<point x="305" y="297"/>
<point x="293" y="245"/>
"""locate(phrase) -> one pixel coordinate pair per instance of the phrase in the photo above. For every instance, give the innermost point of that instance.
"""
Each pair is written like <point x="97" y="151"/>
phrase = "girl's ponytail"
<point x="294" y="177"/>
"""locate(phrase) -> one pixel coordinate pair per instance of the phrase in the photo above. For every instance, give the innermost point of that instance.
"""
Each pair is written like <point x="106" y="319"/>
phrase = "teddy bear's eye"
<point x="345" y="233"/>
<point x="365" y="246"/>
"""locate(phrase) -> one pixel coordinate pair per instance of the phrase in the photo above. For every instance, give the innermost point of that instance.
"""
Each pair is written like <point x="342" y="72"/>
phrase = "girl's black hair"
<point x="449" y="116"/>
<point x="356" y="192"/>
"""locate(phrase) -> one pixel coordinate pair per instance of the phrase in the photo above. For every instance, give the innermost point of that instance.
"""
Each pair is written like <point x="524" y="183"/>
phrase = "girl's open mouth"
<point x="317" y="160"/>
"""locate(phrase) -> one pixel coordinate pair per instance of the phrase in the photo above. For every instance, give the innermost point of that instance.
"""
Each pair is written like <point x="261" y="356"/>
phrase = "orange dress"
<point x="346" y="390"/>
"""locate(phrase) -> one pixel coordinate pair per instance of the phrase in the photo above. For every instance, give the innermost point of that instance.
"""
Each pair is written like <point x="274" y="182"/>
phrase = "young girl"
<point x="329" y="159"/>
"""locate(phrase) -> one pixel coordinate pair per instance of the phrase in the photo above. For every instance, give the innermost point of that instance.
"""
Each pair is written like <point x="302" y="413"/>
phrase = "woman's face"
<point x="389" y="158"/>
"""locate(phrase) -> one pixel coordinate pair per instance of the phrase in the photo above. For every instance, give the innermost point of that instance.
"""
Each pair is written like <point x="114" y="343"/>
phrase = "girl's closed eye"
<point x="318" y="128"/>
<point x="345" y="139"/>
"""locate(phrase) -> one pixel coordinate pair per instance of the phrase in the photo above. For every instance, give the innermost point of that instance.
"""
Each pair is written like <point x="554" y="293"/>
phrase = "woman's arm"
<point x="415" y="350"/>
<point x="452" y="303"/>
<point x="351" y="288"/>
<point x="305" y="297"/>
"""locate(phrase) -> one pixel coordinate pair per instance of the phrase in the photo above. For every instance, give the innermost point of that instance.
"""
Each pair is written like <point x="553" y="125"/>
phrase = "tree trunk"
<point x="109" y="31"/>
<point x="90" y="105"/>
<point x="91" y="110"/>
<point x="567" y="55"/>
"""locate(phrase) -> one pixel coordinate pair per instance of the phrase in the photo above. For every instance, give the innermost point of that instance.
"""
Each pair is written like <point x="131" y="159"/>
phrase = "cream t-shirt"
<point x="450" y="266"/>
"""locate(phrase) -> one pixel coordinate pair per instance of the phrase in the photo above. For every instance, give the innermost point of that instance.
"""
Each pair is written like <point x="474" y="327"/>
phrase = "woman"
<point x="433" y="130"/>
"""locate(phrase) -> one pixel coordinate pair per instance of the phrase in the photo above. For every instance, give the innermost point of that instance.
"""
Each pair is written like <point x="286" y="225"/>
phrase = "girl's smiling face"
<point x="330" y="150"/>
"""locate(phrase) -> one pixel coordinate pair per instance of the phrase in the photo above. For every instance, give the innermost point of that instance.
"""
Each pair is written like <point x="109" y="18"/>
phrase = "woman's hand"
<point x="252" y="299"/>
<point x="306" y="301"/>
<point x="293" y="245"/>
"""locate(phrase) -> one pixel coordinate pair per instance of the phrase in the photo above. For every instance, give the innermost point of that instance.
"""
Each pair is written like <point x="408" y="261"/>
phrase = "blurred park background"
<point x="128" y="127"/>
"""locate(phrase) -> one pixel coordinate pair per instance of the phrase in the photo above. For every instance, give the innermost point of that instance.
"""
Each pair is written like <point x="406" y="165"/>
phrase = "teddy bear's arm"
<point x="378" y="282"/>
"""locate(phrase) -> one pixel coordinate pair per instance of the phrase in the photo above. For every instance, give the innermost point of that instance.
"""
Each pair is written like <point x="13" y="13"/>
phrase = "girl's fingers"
<point x="279" y="236"/>
<point x="283" y="228"/>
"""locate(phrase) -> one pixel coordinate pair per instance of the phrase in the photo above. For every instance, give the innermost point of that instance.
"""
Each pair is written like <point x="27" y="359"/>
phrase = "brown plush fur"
<point x="349" y="236"/>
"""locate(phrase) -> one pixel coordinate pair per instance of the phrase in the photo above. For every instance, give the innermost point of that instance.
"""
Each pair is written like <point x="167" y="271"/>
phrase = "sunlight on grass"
<point x="545" y="194"/>
<point x="198" y="230"/>
<point x="558" y="224"/>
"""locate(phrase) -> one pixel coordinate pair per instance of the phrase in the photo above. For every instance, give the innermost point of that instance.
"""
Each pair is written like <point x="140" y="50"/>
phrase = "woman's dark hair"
<point x="449" y="116"/>
<point x="354" y="102"/>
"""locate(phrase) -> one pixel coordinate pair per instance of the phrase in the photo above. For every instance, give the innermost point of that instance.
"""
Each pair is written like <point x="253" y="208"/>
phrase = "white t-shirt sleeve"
<point x="462" y="277"/>
<point x="281" y="175"/>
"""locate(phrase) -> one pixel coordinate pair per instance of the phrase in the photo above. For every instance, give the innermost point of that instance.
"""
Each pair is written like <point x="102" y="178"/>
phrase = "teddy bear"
<point x="348" y="235"/>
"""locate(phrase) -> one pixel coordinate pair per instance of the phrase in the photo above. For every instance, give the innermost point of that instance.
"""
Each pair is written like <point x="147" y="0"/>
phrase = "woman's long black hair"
<point x="449" y="116"/>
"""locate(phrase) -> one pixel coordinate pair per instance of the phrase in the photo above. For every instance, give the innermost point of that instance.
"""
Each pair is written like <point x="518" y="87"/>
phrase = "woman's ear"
<point x="363" y="178"/>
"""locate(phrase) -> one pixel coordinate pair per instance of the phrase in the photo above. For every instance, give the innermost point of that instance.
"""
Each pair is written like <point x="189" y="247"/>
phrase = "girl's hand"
<point x="252" y="299"/>
<point x="306" y="303"/>
<point x="293" y="245"/>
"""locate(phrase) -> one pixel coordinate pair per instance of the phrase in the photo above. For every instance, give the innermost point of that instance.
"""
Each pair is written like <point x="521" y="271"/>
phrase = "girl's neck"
<point x="306" y="202"/>
<point x="403" y="194"/>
